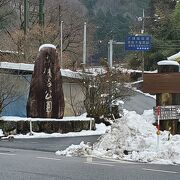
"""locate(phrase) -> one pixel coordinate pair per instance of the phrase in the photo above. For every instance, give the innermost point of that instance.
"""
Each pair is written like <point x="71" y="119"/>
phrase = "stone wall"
<point x="23" y="127"/>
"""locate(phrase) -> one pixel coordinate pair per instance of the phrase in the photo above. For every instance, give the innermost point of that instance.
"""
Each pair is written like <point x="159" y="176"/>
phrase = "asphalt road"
<point x="46" y="144"/>
<point x="36" y="165"/>
<point x="139" y="102"/>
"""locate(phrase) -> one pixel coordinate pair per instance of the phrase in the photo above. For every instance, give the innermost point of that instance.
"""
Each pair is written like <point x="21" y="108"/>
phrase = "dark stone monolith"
<point x="46" y="98"/>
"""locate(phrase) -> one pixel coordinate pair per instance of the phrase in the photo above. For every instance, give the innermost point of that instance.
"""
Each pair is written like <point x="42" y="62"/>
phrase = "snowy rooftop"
<point x="30" y="67"/>
<point x="47" y="46"/>
<point x="174" y="57"/>
<point x="9" y="52"/>
<point x="168" y="62"/>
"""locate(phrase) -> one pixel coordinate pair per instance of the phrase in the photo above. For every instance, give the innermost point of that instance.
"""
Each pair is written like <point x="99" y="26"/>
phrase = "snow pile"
<point x="133" y="138"/>
<point x="76" y="150"/>
<point x="1" y="133"/>
<point x="130" y="133"/>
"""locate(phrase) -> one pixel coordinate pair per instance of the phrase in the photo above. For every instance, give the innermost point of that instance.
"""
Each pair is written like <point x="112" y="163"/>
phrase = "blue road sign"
<point x="138" y="43"/>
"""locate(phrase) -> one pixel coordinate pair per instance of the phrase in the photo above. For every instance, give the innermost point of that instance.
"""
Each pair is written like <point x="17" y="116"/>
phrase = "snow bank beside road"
<point x="1" y="132"/>
<point x="136" y="135"/>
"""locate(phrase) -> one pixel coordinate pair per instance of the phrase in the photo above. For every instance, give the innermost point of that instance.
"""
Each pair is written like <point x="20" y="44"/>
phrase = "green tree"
<point x="162" y="24"/>
<point x="89" y="4"/>
<point x="176" y="22"/>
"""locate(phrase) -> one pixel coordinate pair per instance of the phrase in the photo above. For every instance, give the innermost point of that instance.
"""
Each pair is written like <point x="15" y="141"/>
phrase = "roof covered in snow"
<point x="168" y="62"/>
<point x="30" y="67"/>
<point x="174" y="57"/>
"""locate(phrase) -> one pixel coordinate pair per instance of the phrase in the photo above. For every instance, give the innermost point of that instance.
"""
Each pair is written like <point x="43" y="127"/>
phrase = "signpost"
<point x="168" y="112"/>
<point x="158" y="126"/>
<point x="138" y="43"/>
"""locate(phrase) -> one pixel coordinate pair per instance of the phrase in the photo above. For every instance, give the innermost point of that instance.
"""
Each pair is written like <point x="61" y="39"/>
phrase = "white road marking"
<point x="7" y="154"/>
<point x="101" y="164"/>
<point x="34" y="142"/>
<point x="47" y="158"/>
<point x="158" y="170"/>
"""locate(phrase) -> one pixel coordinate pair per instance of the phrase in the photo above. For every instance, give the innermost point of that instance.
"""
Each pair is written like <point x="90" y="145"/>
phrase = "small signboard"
<point x="138" y="43"/>
<point x="168" y="112"/>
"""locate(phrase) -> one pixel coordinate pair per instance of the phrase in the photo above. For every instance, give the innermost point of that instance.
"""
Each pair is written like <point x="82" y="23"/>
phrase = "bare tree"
<point x="6" y="12"/>
<point x="73" y="18"/>
<point x="73" y="15"/>
<point x="102" y="90"/>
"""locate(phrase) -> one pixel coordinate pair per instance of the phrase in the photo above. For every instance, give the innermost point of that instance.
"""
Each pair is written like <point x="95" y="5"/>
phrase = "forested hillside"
<point x="106" y="19"/>
<point x="113" y="19"/>
<point x="122" y="7"/>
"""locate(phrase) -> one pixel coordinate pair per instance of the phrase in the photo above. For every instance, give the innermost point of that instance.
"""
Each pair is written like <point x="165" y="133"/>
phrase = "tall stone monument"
<point x="46" y="98"/>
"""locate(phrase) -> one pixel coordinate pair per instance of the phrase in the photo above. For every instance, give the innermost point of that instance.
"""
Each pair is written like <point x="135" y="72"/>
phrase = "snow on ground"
<point x="146" y="94"/>
<point x="65" y="119"/>
<point x="1" y="132"/>
<point x="135" y="134"/>
<point x="139" y="91"/>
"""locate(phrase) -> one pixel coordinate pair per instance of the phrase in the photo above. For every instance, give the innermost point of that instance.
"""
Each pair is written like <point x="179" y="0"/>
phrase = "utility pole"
<point x="143" y="19"/>
<point x="110" y="51"/>
<point x="142" y="32"/>
<point x="41" y="13"/>
<point x="60" y="35"/>
<point x="41" y="17"/>
<point x="26" y="16"/>
<point x="84" y="45"/>
<point x="61" y="64"/>
<point x="26" y="26"/>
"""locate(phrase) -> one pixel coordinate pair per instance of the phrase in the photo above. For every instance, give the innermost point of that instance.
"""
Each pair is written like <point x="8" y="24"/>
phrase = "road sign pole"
<point x="158" y="126"/>
<point x="111" y="53"/>
<point x="143" y="65"/>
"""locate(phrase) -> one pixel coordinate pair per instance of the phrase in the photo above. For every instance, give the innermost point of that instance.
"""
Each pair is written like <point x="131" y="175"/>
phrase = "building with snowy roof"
<point x="175" y="57"/>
